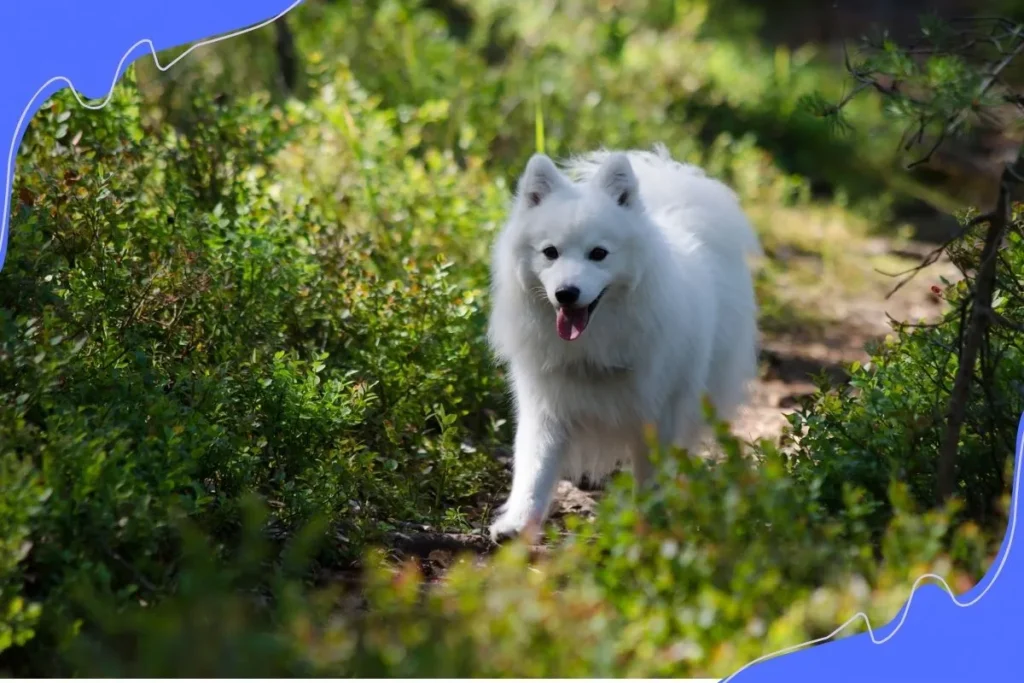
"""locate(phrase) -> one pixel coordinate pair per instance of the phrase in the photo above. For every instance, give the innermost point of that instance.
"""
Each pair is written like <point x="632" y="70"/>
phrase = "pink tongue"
<point x="571" y="322"/>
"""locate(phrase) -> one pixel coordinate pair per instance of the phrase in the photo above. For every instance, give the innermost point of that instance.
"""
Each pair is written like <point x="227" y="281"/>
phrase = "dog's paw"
<point x="504" y="529"/>
<point x="510" y="525"/>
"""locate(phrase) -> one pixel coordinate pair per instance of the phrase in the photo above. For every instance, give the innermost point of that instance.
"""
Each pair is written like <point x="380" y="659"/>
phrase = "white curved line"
<point x="110" y="93"/>
<point x="938" y="579"/>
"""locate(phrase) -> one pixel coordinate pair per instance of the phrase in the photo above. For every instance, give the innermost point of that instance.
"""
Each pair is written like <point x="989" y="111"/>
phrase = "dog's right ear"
<point x="616" y="177"/>
<point x="540" y="178"/>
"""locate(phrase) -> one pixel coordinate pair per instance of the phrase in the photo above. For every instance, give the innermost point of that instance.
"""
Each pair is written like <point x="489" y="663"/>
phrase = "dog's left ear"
<point x="616" y="177"/>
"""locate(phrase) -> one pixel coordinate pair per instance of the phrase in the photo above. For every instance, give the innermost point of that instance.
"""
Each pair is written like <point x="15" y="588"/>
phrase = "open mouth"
<point x="570" y="322"/>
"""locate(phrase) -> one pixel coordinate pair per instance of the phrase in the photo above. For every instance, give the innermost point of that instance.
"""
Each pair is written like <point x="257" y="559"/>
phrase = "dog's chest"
<point x="610" y="395"/>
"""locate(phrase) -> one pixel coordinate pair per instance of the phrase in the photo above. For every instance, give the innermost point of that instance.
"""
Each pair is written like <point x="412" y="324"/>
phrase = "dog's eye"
<point x="551" y="253"/>
<point x="597" y="254"/>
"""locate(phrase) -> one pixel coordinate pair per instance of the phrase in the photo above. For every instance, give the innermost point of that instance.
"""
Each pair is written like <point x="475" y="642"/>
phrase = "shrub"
<point x="175" y="336"/>
<point x="887" y="422"/>
<point x="722" y="563"/>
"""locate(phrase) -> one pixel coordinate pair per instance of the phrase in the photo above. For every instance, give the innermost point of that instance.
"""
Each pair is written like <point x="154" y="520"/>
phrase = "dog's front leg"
<point x="537" y="463"/>
<point x="643" y="468"/>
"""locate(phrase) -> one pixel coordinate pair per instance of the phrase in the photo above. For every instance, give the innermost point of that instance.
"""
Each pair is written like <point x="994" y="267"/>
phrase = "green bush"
<point x="578" y="66"/>
<point x="721" y="564"/>
<point x="888" y="421"/>
<point x="174" y="336"/>
<point x="242" y="337"/>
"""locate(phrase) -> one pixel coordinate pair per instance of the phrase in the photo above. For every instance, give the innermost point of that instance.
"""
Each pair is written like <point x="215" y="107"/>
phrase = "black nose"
<point x="567" y="295"/>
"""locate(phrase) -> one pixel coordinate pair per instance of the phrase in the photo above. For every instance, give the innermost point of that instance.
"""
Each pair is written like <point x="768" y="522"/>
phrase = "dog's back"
<point x="709" y="209"/>
<point x="684" y="202"/>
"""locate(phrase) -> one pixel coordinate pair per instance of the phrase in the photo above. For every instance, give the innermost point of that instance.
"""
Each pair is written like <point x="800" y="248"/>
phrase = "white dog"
<point x="621" y="297"/>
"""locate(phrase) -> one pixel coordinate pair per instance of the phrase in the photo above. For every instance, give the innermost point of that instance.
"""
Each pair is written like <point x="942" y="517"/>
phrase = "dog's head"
<point x="578" y="241"/>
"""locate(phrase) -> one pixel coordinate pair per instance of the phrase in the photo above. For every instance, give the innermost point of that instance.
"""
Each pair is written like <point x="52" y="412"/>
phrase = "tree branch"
<point x="934" y="254"/>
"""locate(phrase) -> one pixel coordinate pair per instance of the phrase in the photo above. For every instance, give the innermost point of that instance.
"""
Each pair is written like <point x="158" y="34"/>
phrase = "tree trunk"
<point x="287" y="61"/>
<point x="980" y="318"/>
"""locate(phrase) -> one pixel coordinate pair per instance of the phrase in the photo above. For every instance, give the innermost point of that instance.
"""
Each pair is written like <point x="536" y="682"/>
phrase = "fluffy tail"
<point x="711" y="208"/>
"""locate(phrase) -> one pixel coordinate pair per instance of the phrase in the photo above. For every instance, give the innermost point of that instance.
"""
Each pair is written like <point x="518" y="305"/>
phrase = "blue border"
<point x="50" y="44"/>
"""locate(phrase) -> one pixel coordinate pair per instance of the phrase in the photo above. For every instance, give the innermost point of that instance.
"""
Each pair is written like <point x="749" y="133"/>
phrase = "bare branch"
<point x="1002" y="321"/>
<point x="934" y="254"/>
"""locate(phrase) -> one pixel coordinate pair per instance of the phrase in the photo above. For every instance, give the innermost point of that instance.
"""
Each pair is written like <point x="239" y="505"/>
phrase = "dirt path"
<point x="793" y="358"/>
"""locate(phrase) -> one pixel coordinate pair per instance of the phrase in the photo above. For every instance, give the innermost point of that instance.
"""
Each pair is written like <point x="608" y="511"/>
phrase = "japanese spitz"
<point x="622" y="295"/>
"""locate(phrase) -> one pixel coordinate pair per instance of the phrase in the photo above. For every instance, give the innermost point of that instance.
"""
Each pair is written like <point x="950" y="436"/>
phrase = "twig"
<point x="934" y="254"/>
<point x="422" y="543"/>
<point x="1002" y="321"/>
<point x="954" y="121"/>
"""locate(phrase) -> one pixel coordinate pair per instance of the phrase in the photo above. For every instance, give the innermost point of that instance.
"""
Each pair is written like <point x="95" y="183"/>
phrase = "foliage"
<point x="887" y="422"/>
<point x="242" y="337"/>
<point x="580" y="65"/>
<point x="720" y="564"/>
<point x="891" y="420"/>
<point x="174" y="336"/>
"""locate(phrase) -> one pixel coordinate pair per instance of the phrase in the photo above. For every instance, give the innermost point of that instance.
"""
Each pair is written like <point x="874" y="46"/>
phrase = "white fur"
<point x="677" y="321"/>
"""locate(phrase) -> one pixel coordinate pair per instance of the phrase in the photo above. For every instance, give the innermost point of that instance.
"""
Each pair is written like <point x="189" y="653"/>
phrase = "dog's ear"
<point x="616" y="177"/>
<point x="539" y="180"/>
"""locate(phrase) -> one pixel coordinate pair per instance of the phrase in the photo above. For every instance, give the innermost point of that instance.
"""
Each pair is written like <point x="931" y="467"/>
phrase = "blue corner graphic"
<point x="936" y="637"/>
<point x="48" y="45"/>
